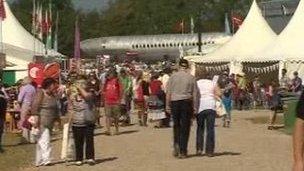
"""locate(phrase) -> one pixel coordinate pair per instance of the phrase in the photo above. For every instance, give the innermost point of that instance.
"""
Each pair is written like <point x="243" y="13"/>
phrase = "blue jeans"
<point x="206" y="119"/>
<point x="181" y="112"/>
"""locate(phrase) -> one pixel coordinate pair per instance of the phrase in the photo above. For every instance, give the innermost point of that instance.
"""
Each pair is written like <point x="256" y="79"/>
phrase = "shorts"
<point x="112" y="111"/>
<point x="139" y="105"/>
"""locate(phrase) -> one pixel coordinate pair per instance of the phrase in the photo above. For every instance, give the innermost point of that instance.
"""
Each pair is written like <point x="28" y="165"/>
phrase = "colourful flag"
<point x="40" y="22"/>
<point x="227" y="25"/>
<point x="34" y="16"/>
<point x="56" y="34"/>
<point x="49" y="28"/>
<point x="192" y="25"/>
<point x="237" y="21"/>
<point x="180" y="27"/>
<point x="77" y="41"/>
<point x="2" y="10"/>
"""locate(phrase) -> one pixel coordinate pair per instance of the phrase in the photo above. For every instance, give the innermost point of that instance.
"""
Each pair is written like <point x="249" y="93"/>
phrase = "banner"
<point x="35" y="72"/>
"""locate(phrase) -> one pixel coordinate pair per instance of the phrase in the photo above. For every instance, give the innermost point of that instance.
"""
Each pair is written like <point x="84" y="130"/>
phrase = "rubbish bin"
<point x="290" y="114"/>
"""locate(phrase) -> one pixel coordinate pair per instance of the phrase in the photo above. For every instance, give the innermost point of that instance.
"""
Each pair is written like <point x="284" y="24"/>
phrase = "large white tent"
<point x="253" y="35"/>
<point x="19" y="45"/>
<point x="288" y="46"/>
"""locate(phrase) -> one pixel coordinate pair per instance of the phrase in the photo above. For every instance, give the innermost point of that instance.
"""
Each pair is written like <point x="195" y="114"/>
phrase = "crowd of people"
<point x="158" y="96"/>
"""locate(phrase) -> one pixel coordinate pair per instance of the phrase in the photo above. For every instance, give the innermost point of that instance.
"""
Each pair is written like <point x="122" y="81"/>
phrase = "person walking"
<point x="227" y="102"/>
<point x="3" y="108"/>
<point x="139" y="99"/>
<point x="45" y="107"/>
<point x="296" y="84"/>
<point x="83" y="121"/>
<point x="126" y="82"/>
<point x="209" y="93"/>
<point x="182" y="95"/>
<point x="25" y="99"/>
<point x="113" y="92"/>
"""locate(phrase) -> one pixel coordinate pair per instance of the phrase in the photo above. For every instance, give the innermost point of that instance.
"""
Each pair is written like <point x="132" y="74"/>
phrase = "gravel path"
<point x="243" y="147"/>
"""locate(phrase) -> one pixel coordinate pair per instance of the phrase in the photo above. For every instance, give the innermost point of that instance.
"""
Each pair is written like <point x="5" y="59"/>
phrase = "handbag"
<point x="220" y="109"/>
<point x="89" y="117"/>
<point x="26" y="124"/>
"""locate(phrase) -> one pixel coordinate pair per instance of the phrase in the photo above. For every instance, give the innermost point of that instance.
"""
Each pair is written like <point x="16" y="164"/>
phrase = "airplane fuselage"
<point x="151" y="47"/>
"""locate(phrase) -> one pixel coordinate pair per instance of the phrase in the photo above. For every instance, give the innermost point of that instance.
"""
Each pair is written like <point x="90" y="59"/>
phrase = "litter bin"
<point x="290" y="105"/>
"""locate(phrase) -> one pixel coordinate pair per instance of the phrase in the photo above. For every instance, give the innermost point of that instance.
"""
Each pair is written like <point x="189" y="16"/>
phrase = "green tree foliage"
<point x="134" y="17"/>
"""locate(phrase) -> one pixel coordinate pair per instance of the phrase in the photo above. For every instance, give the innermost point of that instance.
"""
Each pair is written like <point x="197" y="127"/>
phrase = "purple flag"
<point x="77" y="42"/>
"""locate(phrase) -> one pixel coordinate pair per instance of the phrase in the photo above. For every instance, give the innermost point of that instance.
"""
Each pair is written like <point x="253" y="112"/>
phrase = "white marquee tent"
<point x="288" y="46"/>
<point x="19" y="45"/>
<point x="253" y="36"/>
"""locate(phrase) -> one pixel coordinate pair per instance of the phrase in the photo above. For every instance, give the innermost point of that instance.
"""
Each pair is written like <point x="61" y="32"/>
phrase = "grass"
<point x="16" y="156"/>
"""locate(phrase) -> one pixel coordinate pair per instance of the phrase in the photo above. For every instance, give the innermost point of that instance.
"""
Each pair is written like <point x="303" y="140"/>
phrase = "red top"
<point x="112" y="91"/>
<point x="155" y="87"/>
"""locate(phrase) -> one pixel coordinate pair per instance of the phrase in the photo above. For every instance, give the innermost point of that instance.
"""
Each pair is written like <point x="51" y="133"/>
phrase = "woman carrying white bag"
<point x="46" y="108"/>
<point x="209" y="94"/>
<point x="83" y="122"/>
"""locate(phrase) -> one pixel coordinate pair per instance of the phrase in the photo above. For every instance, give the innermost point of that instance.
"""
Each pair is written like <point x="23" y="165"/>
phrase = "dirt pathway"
<point x="243" y="147"/>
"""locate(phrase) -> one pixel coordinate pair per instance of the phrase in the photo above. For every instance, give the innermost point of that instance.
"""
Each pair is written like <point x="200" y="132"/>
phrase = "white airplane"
<point x="152" y="47"/>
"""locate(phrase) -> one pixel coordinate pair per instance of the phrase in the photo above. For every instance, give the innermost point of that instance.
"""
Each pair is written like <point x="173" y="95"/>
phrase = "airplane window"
<point x="167" y="45"/>
<point x="213" y="42"/>
<point x="171" y="45"/>
<point x="144" y="46"/>
<point x="136" y="46"/>
<point x="182" y="44"/>
<point x="155" y="45"/>
<point x="159" y="45"/>
<point x="205" y="43"/>
<point x="152" y="45"/>
<point x="163" y="45"/>
<point x="193" y="44"/>
<point x="132" y="46"/>
<point x="148" y="45"/>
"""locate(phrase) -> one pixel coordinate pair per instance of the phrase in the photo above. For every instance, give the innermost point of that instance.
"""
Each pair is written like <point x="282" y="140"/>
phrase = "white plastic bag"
<point x="220" y="109"/>
<point x="68" y="147"/>
<point x="43" y="148"/>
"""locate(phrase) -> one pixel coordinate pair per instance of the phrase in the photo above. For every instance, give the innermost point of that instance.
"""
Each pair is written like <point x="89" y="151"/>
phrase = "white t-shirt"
<point x="206" y="89"/>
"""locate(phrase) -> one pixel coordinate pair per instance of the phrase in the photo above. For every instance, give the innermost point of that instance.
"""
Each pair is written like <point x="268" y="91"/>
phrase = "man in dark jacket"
<point x="3" y="106"/>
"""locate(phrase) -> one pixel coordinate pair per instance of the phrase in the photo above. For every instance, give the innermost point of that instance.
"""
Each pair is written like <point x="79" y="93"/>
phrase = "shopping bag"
<point x="68" y="147"/>
<point x="220" y="109"/>
<point x="43" y="148"/>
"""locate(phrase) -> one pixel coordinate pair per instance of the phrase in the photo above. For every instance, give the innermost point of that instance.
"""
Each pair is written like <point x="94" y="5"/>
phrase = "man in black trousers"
<point x="182" y="97"/>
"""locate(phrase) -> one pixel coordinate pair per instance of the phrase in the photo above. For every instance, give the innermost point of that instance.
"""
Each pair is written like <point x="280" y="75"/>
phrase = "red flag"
<point x="180" y="27"/>
<point x="237" y="21"/>
<point x="2" y="10"/>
